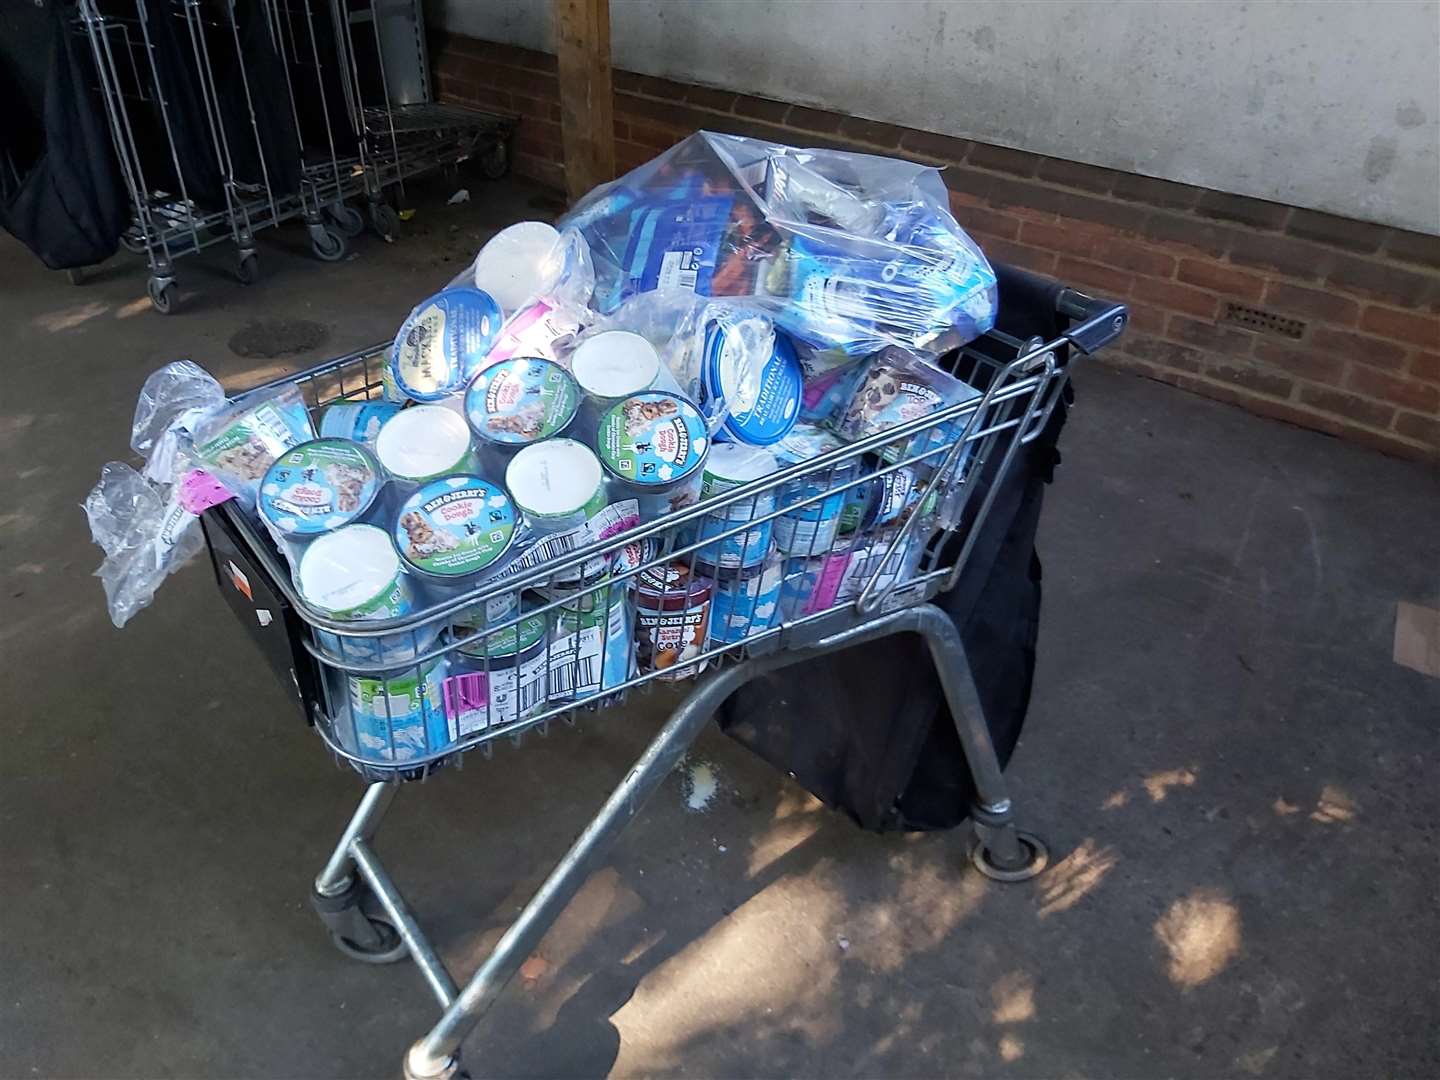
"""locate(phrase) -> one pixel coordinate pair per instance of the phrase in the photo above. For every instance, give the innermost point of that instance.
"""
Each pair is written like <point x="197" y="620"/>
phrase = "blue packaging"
<point x="812" y="528"/>
<point x="674" y="244"/>
<point x="740" y="550"/>
<point x="768" y="415"/>
<point x="357" y="420"/>
<point x="443" y="343"/>
<point x="399" y="716"/>
<point x="745" y="604"/>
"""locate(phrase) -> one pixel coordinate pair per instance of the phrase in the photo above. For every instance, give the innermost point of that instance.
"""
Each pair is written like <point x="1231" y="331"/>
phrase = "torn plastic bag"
<point x="542" y="280"/>
<point x="847" y="252"/>
<point x="174" y="401"/>
<point x="147" y="532"/>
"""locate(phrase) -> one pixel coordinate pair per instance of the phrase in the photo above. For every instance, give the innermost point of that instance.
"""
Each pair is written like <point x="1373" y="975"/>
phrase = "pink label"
<point x="514" y="337"/>
<point x="466" y="693"/>
<point x="827" y="584"/>
<point x="199" y="491"/>
<point x="817" y="387"/>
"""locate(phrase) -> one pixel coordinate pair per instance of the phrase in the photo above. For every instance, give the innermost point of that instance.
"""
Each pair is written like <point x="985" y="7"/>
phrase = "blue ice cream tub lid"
<point x="318" y="487"/>
<point x="759" y="414"/>
<point x="444" y="342"/>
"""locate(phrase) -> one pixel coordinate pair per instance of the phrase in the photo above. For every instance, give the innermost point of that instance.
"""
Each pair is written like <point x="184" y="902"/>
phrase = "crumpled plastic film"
<point x="847" y="252"/>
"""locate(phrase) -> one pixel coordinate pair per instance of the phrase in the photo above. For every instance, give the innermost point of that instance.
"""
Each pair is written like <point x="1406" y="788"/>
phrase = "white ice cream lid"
<point x="553" y="478"/>
<point x="347" y="568"/>
<point x="739" y="462"/>
<point x="519" y="262"/>
<point x="615" y="364"/>
<point x="423" y="441"/>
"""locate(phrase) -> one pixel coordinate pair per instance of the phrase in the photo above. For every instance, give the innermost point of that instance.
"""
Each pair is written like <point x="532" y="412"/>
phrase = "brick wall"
<point x="1325" y="322"/>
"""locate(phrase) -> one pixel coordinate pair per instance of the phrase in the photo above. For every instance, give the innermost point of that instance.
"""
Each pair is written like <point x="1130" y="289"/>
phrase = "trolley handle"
<point x="1099" y="321"/>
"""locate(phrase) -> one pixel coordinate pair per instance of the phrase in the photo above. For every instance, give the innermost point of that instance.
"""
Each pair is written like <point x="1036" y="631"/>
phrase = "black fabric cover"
<point x="60" y="190"/>
<point x="269" y="150"/>
<point x="867" y="729"/>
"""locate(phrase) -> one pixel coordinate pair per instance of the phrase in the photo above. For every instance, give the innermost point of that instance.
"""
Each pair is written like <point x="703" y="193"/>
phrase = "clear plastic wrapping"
<point x="847" y="252"/>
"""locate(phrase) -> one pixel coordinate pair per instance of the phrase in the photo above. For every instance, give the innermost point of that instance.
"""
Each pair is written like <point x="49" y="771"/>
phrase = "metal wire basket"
<point x="865" y="528"/>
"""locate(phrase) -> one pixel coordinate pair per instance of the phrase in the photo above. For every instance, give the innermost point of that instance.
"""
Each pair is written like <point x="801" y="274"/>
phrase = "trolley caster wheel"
<point x="1037" y="858"/>
<point x="328" y="245"/>
<point x="348" y="220"/>
<point x="76" y="275"/>
<point x="495" y="162"/>
<point x="387" y="949"/>
<point x="248" y="269"/>
<point x="385" y="220"/>
<point x="162" y="297"/>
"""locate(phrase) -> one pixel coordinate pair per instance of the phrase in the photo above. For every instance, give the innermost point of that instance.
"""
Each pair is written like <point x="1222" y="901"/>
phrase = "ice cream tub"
<point x="672" y="620"/>
<point x="453" y="529"/>
<point x="354" y="575"/>
<point x="500" y="678"/>
<point x="444" y="342"/>
<point x="746" y="603"/>
<point x="425" y="442"/>
<point x="319" y="486"/>
<point x="654" y="444"/>
<point x="614" y="365"/>
<point x="592" y="645"/>
<point x="811" y="527"/>
<point x="520" y="262"/>
<point x="557" y="484"/>
<point x="884" y="500"/>
<point x="357" y="420"/>
<point x="760" y="409"/>
<point x="812" y="584"/>
<point x="896" y="387"/>
<point x="519" y="402"/>
<point x="739" y="550"/>
<point x="731" y="465"/>
<point x="399" y="716"/>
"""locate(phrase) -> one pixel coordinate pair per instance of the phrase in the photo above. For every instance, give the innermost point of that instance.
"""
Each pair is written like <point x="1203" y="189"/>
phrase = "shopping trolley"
<point x="577" y="621"/>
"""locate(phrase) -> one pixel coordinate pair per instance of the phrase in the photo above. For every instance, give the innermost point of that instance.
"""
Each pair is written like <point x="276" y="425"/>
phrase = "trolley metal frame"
<point x="354" y="895"/>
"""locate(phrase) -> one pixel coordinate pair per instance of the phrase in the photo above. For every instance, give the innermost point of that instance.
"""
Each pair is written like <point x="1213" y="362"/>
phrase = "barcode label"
<point x="575" y="662"/>
<point x="530" y="695"/>
<point x="678" y="270"/>
<point x="549" y="548"/>
<point x="583" y="674"/>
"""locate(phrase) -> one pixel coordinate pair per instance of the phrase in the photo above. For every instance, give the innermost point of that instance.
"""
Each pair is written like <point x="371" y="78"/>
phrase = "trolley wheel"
<point x="495" y="161"/>
<point x="1037" y="859"/>
<point x="385" y="220"/>
<point x="76" y="275"/>
<point x="248" y="269"/>
<point x="389" y="949"/>
<point x="328" y="246"/>
<point x="162" y="297"/>
<point x="347" y="219"/>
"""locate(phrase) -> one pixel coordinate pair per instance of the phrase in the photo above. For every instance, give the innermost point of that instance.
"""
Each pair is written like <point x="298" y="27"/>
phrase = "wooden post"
<point x="587" y="101"/>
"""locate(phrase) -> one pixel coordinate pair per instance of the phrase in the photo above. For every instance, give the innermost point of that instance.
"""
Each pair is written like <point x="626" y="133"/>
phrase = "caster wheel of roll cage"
<point x="1037" y="858"/>
<point x="356" y="931"/>
<point x="328" y="245"/>
<point x="387" y="949"/>
<point x="162" y="296"/>
<point x="385" y="220"/>
<point x="347" y="219"/>
<point x="495" y="161"/>
<point x="247" y="270"/>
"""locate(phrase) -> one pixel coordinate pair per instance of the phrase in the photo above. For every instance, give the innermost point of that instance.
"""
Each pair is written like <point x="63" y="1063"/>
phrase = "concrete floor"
<point x="1237" y="782"/>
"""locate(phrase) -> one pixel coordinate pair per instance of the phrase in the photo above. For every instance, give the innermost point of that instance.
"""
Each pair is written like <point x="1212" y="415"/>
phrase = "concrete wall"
<point x="1328" y="106"/>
